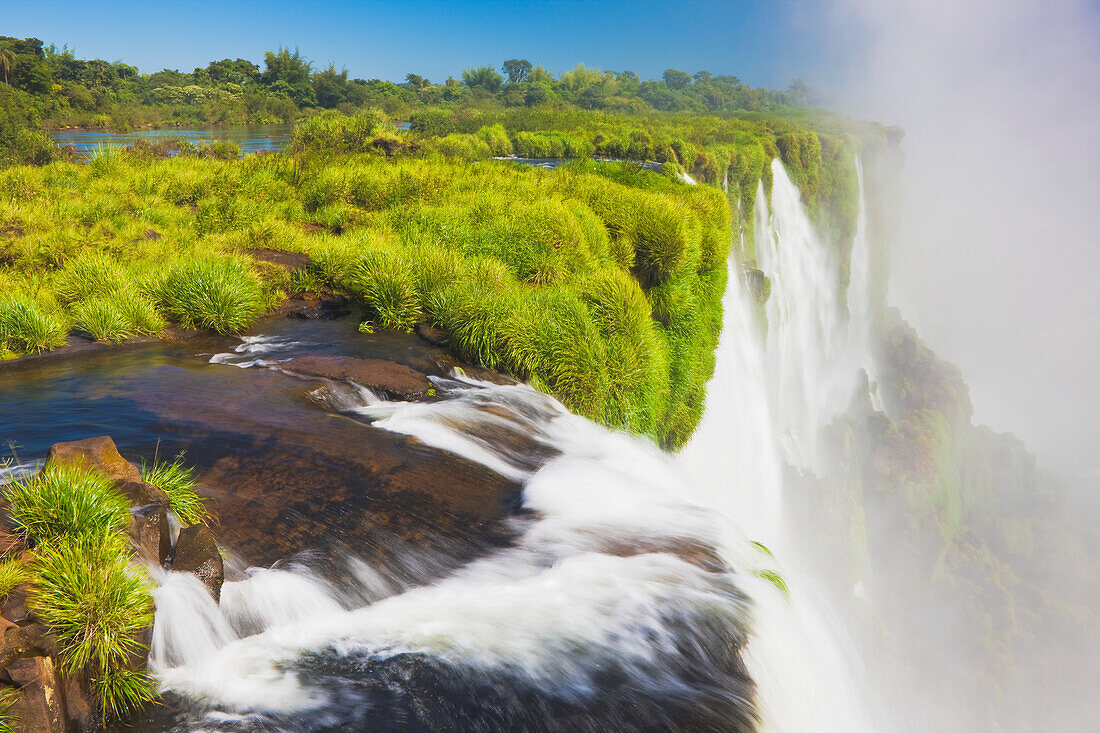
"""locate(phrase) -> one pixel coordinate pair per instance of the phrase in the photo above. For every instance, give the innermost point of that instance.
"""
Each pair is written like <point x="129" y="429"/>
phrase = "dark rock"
<point x="758" y="284"/>
<point x="39" y="707"/>
<point x="98" y="453"/>
<point x="79" y="709"/>
<point x="430" y="333"/>
<point x="387" y="378"/>
<point x="149" y="532"/>
<point x="313" y="307"/>
<point x="197" y="552"/>
<point x="142" y="494"/>
<point x="15" y="605"/>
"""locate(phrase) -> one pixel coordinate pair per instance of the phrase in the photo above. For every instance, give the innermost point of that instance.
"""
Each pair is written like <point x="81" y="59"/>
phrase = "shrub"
<point x="178" y="482"/>
<point x="221" y="295"/>
<point x="64" y="500"/>
<point x="26" y="327"/>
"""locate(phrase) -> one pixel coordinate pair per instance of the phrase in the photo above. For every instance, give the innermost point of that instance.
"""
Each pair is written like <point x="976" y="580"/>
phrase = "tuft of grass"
<point x="178" y="482"/>
<point x="97" y="605"/>
<point x="12" y="573"/>
<point x="25" y="327"/>
<point x="384" y="283"/>
<point x="65" y="500"/>
<point x="221" y="295"/>
<point x="8" y="720"/>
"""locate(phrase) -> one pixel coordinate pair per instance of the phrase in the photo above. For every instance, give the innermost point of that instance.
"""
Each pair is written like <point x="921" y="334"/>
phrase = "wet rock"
<point x="387" y="378"/>
<point x="149" y="532"/>
<point x="79" y="710"/>
<point x="197" y="552"/>
<point x="39" y="707"/>
<point x="430" y="333"/>
<point x="98" y="453"/>
<point x="142" y="494"/>
<point x="758" y="284"/>
<point x="15" y="607"/>
<point x="313" y="307"/>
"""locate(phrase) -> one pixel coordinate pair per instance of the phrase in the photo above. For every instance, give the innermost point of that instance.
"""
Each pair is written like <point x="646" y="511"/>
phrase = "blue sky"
<point x="765" y="43"/>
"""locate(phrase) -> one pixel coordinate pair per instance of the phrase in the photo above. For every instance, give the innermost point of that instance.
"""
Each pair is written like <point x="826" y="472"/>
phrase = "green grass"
<point x="26" y="327"/>
<point x="177" y="480"/>
<point x="8" y="720"/>
<point x="96" y="604"/>
<point x="63" y="500"/>
<point x="12" y="573"/>
<point x="221" y="295"/>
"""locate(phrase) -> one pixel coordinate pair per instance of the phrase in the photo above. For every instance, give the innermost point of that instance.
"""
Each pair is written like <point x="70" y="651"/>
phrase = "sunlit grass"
<point x="64" y="500"/>
<point x="177" y="480"/>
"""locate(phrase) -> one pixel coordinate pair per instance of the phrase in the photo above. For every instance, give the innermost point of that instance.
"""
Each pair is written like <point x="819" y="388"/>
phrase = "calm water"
<point x="252" y="138"/>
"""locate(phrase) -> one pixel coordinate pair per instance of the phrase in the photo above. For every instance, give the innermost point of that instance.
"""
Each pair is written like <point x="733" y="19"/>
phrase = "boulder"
<point x="142" y="494"/>
<point x="197" y="552"/>
<point x="149" y="532"/>
<point x="80" y="711"/>
<point x="99" y="453"/>
<point x="430" y="333"/>
<point x="40" y="706"/>
<point x="10" y="545"/>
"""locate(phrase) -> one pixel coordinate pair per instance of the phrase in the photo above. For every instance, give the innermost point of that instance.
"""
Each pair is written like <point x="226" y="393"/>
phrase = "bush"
<point x="63" y="500"/>
<point x="221" y="295"/>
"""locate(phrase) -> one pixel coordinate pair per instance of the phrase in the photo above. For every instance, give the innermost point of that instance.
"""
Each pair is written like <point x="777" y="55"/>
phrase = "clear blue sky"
<point x="764" y="43"/>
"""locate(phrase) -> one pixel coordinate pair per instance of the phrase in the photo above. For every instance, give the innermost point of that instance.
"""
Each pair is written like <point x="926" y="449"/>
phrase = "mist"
<point x="996" y="260"/>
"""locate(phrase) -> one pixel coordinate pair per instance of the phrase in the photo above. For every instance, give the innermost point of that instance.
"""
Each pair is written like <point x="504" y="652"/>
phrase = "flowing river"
<point x="487" y="560"/>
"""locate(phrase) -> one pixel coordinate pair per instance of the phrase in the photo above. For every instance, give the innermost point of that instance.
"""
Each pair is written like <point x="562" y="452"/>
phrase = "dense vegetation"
<point x="51" y="86"/>
<point x="80" y="578"/>
<point x="600" y="282"/>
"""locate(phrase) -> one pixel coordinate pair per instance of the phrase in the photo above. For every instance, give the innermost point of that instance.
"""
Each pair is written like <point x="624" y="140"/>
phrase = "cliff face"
<point x="975" y="560"/>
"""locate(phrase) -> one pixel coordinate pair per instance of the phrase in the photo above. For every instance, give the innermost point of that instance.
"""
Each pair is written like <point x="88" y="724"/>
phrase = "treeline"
<point x="51" y="87"/>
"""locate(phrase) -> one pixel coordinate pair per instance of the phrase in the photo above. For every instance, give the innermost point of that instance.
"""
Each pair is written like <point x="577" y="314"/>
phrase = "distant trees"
<point x="676" y="79"/>
<point x="518" y="70"/>
<point x="483" y="77"/>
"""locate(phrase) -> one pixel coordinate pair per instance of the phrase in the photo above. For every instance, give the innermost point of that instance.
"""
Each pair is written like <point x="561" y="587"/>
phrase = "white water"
<point x="769" y="398"/>
<point x="567" y="595"/>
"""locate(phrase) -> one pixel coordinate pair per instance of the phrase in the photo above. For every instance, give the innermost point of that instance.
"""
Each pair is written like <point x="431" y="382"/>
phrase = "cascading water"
<point x="614" y="607"/>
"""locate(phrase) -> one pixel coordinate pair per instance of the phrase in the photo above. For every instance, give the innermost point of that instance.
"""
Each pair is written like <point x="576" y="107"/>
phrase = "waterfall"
<point x="630" y="567"/>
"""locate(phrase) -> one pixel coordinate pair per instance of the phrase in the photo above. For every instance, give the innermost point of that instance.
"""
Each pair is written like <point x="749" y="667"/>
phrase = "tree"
<point x="676" y="79"/>
<point x="285" y="66"/>
<point x="702" y="77"/>
<point x="518" y="70"/>
<point x="417" y="82"/>
<point x="483" y="77"/>
<point x="331" y="87"/>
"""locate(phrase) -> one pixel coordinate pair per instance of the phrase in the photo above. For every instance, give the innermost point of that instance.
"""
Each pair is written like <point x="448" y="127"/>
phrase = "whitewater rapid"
<point x="625" y="558"/>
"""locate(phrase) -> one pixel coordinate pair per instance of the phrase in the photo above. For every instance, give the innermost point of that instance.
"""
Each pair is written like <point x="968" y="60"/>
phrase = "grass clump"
<point x="97" y="605"/>
<point x="25" y="327"/>
<point x="178" y="481"/>
<point x="65" y="501"/>
<point x="221" y="295"/>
